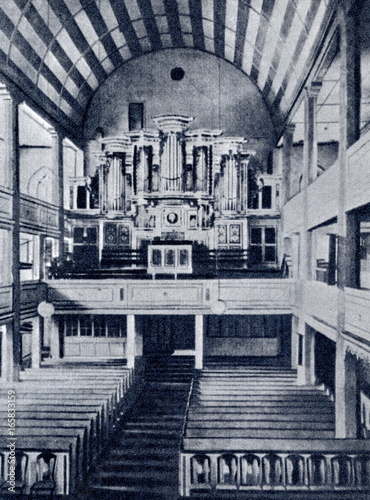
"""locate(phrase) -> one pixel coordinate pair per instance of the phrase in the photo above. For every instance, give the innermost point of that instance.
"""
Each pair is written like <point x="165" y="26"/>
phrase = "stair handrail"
<point x="187" y="410"/>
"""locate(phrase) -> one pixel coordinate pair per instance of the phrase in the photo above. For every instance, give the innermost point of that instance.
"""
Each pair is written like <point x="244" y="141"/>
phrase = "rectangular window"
<point x="81" y="197"/>
<point x="266" y="196"/>
<point x="183" y="258"/>
<point x="99" y="326"/>
<point x="170" y="258"/>
<point x="78" y="235"/>
<point x="262" y="245"/>
<point x="156" y="257"/>
<point x="85" y="326"/>
<point x="135" y="115"/>
<point x="71" y="326"/>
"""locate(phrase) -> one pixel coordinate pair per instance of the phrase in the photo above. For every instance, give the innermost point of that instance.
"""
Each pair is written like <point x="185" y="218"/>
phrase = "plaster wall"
<point x="216" y="93"/>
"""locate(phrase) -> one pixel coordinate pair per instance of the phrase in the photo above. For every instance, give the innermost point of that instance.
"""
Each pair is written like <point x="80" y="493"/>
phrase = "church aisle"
<point x="142" y="461"/>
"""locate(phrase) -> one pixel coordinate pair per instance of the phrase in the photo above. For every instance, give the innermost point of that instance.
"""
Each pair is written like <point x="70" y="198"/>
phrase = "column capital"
<point x="313" y="90"/>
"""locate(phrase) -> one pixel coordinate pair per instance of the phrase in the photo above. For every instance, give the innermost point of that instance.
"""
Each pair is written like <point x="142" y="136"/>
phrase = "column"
<point x="130" y="341"/>
<point x="345" y="392"/>
<point x="51" y="324"/>
<point x="199" y="342"/>
<point x="36" y="342"/>
<point x="299" y="332"/>
<point x="350" y="73"/>
<point x="57" y="164"/>
<point x="13" y="118"/>
<point x="309" y="171"/>
<point x="349" y="120"/>
<point x="7" y="361"/>
<point x="7" y="134"/>
<point x="310" y="133"/>
<point x="309" y="356"/>
<point x="287" y="159"/>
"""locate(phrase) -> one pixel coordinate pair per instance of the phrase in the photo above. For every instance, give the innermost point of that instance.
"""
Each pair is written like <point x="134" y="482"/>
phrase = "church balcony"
<point x="323" y="198"/>
<point x="127" y="296"/>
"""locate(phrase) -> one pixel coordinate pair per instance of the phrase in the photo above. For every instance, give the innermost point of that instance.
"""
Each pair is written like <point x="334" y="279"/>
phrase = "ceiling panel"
<point x="60" y="51"/>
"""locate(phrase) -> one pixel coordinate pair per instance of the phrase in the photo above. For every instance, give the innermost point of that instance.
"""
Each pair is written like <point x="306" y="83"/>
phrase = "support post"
<point x="52" y="324"/>
<point x="287" y="160"/>
<point x="36" y="342"/>
<point x="349" y="114"/>
<point x="345" y="393"/>
<point x="309" y="356"/>
<point x="7" y="365"/>
<point x="130" y="341"/>
<point x="59" y="188"/>
<point x="13" y="117"/>
<point x="199" y="342"/>
<point x="309" y="172"/>
<point x="310" y="134"/>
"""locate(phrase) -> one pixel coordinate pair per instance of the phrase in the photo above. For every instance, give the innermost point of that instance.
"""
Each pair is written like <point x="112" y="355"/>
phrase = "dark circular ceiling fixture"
<point x="177" y="74"/>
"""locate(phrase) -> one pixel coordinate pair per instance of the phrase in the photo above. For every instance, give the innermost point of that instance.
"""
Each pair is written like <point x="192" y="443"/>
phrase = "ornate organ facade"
<point x="169" y="185"/>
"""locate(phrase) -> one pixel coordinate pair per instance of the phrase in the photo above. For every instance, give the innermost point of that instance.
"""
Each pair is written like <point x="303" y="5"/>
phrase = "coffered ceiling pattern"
<point x="60" y="51"/>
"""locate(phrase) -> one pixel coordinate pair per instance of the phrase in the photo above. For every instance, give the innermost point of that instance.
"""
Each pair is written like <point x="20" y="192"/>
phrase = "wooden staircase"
<point x="142" y="461"/>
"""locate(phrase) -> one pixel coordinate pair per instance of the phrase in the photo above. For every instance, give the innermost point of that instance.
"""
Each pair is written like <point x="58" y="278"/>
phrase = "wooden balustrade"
<point x="276" y="470"/>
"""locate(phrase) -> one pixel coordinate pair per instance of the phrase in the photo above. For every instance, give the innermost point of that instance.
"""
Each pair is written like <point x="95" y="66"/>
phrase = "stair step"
<point x="135" y="479"/>
<point x="161" y="492"/>
<point x="153" y="462"/>
<point x="162" y="475"/>
<point x="154" y="426"/>
<point x="153" y="433"/>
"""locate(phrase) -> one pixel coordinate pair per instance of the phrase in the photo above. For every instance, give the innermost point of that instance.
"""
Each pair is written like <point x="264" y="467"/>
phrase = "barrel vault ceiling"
<point x="60" y="51"/>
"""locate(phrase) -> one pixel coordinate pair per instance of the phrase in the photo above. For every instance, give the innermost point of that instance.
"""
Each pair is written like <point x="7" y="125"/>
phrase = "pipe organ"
<point x="172" y="184"/>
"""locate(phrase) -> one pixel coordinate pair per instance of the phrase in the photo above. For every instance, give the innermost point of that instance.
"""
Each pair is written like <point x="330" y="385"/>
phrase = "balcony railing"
<point x="330" y="465"/>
